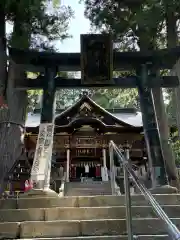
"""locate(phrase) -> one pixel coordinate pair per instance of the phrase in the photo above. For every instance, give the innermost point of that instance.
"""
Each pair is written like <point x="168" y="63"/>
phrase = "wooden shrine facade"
<point x="82" y="135"/>
<point x="87" y="143"/>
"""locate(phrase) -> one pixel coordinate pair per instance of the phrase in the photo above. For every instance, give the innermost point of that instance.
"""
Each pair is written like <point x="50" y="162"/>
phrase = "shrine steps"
<point x="94" y="217"/>
<point x="87" y="188"/>
<point x="117" y="237"/>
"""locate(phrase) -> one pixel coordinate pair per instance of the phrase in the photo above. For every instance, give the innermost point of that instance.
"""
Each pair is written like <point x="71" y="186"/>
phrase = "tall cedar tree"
<point x="131" y="23"/>
<point x="33" y="27"/>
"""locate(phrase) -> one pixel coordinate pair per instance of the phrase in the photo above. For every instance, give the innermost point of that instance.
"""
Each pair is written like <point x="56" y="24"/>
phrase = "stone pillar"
<point x="112" y="170"/>
<point x="47" y="179"/>
<point x="104" y="157"/>
<point x="105" y="171"/>
<point x="67" y="166"/>
<point x="155" y="156"/>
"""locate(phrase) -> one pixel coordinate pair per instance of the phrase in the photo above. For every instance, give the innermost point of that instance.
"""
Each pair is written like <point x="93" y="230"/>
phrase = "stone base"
<point x="166" y="189"/>
<point x="175" y="183"/>
<point x="39" y="193"/>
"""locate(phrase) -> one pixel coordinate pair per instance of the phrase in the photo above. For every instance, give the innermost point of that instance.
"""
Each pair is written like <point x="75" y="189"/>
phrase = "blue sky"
<point x="78" y="25"/>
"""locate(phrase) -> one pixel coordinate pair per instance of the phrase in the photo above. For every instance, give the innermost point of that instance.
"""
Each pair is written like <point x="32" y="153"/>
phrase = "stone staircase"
<point x="87" y="217"/>
<point x="87" y="188"/>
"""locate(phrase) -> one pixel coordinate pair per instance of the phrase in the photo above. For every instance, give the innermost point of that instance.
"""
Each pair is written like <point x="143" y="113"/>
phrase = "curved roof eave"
<point x="90" y="121"/>
<point x="86" y="98"/>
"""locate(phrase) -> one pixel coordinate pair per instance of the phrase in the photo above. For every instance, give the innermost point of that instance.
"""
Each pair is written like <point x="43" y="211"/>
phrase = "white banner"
<point x="43" y="152"/>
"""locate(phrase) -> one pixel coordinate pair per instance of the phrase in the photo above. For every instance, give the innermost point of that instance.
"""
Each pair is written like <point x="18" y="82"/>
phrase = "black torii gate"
<point x="96" y="62"/>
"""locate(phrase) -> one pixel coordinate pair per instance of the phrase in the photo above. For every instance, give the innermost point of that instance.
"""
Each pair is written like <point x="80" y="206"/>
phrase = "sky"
<point x="78" y="25"/>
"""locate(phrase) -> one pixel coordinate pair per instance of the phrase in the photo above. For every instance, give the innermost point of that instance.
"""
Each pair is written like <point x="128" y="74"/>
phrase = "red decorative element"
<point x="31" y="184"/>
<point x="2" y="104"/>
<point x="28" y="185"/>
<point x="98" y="171"/>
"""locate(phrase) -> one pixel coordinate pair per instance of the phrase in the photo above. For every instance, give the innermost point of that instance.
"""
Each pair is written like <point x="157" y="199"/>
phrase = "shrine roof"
<point x="132" y="118"/>
<point x="126" y="117"/>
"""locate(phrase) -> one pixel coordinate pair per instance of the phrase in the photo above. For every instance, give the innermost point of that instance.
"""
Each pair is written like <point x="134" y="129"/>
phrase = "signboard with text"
<point x="96" y="58"/>
<point x="43" y="152"/>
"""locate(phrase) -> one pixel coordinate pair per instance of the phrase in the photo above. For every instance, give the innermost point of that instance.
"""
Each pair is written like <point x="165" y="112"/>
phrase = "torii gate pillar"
<point x="156" y="161"/>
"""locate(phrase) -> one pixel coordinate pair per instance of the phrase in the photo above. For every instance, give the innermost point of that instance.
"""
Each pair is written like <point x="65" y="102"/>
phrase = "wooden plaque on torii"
<point x="96" y="58"/>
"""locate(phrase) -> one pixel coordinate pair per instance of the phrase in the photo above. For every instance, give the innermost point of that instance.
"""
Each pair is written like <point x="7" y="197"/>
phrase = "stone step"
<point x="54" y="214"/>
<point x="91" y="213"/>
<point x="87" y="192"/>
<point x="87" y="188"/>
<point x="53" y="229"/>
<point x="117" y="237"/>
<point x="90" y="184"/>
<point x="90" y="201"/>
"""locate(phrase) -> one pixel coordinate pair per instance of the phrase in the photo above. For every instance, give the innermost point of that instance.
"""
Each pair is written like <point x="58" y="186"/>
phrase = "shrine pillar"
<point x="104" y="157"/>
<point x="105" y="171"/>
<point x="151" y="132"/>
<point x="67" y="165"/>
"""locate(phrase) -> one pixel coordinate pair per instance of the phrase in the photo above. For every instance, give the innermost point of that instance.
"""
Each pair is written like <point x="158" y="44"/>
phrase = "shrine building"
<point x="81" y="138"/>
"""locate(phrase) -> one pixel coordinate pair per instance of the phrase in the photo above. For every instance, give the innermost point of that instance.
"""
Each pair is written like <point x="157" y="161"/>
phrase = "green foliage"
<point x="116" y="98"/>
<point x="37" y="28"/>
<point x="107" y="98"/>
<point x="124" y="21"/>
<point x="33" y="99"/>
<point x="138" y="25"/>
<point x="44" y="25"/>
<point x="133" y="26"/>
<point x="170" y="106"/>
<point x="129" y="22"/>
<point x="176" y="148"/>
<point x="56" y="3"/>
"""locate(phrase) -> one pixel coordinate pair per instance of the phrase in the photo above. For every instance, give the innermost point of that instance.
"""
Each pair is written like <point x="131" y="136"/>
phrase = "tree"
<point x="107" y="98"/>
<point x="132" y="25"/>
<point x="33" y="27"/>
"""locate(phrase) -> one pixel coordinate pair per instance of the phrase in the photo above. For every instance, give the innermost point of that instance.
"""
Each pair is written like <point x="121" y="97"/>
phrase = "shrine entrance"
<point x="81" y="138"/>
<point x="86" y="163"/>
<point x="96" y="62"/>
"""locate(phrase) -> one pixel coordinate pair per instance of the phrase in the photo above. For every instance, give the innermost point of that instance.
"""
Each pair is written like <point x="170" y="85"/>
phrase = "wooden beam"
<point x="128" y="82"/>
<point x="115" y="129"/>
<point x="34" y="61"/>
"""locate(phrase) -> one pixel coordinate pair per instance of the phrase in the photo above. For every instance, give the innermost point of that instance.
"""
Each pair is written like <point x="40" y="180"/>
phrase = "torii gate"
<point x="96" y="63"/>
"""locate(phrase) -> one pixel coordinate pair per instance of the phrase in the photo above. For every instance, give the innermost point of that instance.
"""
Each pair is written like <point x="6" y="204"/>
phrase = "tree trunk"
<point x="3" y="58"/>
<point x="161" y="115"/>
<point x="163" y="126"/>
<point x="13" y="118"/>
<point x="176" y="95"/>
<point x="12" y="132"/>
<point x="172" y="42"/>
<point x="162" y="121"/>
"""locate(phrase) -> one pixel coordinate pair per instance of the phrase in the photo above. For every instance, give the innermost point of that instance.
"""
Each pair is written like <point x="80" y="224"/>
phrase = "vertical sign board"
<point x="43" y="153"/>
<point x="96" y="58"/>
<point x="48" y="151"/>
